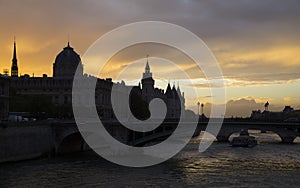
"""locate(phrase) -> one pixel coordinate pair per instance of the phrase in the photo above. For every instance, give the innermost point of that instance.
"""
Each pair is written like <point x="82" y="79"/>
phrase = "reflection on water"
<point x="268" y="137"/>
<point x="266" y="165"/>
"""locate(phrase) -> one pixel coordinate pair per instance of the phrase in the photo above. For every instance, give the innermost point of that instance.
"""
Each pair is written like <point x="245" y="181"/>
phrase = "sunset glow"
<point x="257" y="46"/>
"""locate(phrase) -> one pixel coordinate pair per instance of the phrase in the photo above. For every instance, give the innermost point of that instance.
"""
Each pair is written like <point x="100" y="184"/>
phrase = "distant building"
<point x="288" y="109"/>
<point x="4" y="97"/>
<point x="57" y="90"/>
<point x="287" y="114"/>
<point x="66" y="63"/>
<point x="173" y="97"/>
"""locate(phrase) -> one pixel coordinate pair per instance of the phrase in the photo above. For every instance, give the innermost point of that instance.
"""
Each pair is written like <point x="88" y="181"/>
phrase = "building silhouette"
<point x="14" y="65"/>
<point x="4" y="97"/>
<point x="173" y="97"/>
<point x="288" y="114"/>
<point x="66" y="63"/>
<point x="53" y="95"/>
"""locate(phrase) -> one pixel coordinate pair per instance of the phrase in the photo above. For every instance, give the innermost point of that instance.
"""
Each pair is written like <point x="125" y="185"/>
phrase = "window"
<point x="66" y="100"/>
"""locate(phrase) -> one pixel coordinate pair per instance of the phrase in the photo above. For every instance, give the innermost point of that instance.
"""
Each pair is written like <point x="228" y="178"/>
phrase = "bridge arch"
<point x="150" y="138"/>
<point x="269" y="137"/>
<point x="71" y="143"/>
<point x="287" y="138"/>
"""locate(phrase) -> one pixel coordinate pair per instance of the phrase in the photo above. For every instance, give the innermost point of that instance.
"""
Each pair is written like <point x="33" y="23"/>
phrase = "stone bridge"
<point x="286" y="131"/>
<point x="19" y="141"/>
<point x="68" y="138"/>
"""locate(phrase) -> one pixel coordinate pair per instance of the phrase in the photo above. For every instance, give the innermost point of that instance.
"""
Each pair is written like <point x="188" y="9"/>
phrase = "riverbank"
<point x="19" y="142"/>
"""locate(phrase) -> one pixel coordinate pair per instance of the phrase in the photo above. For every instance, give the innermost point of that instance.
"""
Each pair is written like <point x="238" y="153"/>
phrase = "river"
<point x="267" y="165"/>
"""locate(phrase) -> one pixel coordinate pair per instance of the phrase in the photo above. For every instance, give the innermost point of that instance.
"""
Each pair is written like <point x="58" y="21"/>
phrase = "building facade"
<point x="288" y="114"/>
<point x="58" y="88"/>
<point x="172" y="97"/>
<point x="4" y="97"/>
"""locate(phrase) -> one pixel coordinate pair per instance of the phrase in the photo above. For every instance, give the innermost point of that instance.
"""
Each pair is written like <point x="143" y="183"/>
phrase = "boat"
<point x="244" y="140"/>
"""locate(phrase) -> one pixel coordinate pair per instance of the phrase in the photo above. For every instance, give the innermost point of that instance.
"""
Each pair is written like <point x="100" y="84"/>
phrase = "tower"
<point x="14" y="66"/>
<point x="147" y="73"/>
<point x="147" y="83"/>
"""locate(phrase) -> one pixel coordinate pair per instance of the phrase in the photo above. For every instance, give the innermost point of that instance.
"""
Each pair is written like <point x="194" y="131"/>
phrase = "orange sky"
<point x="256" y="44"/>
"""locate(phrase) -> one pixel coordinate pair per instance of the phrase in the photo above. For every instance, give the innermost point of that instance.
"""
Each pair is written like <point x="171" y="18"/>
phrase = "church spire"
<point x="173" y="88"/>
<point x="147" y="68"/>
<point x="147" y="73"/>
<point x="14" y="66"/>
<point x="168" y="87"/>
<point x="15" y="50"/>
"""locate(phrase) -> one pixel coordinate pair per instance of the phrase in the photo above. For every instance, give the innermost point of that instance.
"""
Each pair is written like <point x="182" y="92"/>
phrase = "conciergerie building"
<point x="53" y="95"/>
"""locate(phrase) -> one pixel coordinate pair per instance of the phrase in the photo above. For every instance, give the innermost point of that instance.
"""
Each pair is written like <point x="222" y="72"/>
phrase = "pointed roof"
<point x="15" y="51"/>
<point x="14" y="65"/>
<point x="147" y="66"/>
<point x="168" y="87"/>
<point x="173" y="88"/>
<point x="14" y="60"/>
<point x="178" y="89"/>
<point x="175" y="94"/>
<point x="147" y="73"/>
<point x="169" y="92"/>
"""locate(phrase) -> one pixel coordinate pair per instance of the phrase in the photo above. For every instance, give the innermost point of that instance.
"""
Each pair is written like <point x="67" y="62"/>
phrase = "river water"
<point x="266" y="165"/>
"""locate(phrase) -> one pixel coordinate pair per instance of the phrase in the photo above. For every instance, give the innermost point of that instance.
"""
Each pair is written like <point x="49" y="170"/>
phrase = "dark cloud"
<point x="255" y="42"/>
<point x="228" y="27"/>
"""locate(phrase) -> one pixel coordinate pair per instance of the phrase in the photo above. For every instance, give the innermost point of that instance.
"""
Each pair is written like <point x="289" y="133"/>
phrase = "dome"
<point x="66" y="63"/>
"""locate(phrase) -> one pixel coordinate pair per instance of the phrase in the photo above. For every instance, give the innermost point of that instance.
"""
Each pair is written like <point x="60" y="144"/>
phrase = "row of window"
<point x="42" y="82"/>
<point x="3" y="90"/>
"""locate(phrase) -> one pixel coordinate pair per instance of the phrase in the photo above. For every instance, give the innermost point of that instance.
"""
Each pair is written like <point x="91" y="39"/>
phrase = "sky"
<point x="256" y="43"/>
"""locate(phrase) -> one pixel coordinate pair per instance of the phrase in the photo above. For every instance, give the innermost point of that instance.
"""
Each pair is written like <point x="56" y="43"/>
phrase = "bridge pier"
<point x="288" y="139"/>
<point x="287" y="136"/>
